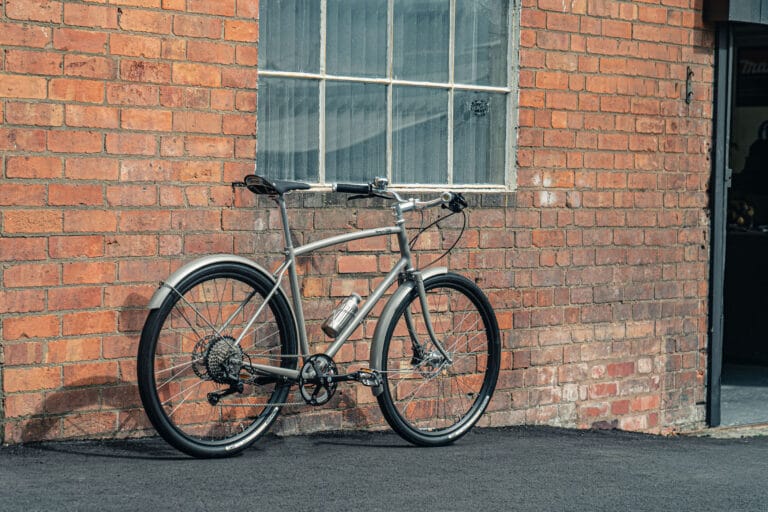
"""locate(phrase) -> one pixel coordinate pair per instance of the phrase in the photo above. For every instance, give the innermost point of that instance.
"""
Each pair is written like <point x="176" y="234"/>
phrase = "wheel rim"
<point x="195" y="348"/>
<point x="430" y="395"/>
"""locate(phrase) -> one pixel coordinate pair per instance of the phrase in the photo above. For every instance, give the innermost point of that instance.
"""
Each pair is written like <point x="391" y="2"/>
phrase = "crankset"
<point x="319" y="378"/>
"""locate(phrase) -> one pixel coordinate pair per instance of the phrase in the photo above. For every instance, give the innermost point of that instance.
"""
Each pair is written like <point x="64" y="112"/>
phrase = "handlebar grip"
<point x="351" y="188"/>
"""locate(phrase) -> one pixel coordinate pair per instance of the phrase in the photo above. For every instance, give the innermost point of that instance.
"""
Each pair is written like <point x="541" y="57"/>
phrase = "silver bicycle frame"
<point x="404" y="265"/>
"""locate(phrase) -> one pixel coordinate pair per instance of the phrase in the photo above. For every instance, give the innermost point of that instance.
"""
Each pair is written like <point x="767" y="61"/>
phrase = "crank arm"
<point x="364" y="376"/>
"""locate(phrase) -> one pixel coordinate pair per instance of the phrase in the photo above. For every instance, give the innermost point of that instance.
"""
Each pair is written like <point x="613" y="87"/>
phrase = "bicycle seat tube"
<point x="290" y="257"/>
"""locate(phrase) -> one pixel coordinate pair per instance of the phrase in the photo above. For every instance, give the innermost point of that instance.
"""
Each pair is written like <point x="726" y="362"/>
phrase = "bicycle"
<point x="222" y="345"/>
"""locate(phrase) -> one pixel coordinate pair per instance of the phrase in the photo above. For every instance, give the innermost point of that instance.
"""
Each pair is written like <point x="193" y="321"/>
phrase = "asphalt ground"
<point x="520" y="468"/>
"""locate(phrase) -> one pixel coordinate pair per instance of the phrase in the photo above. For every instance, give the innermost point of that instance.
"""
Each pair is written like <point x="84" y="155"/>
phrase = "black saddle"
<point x="261" y="185"/>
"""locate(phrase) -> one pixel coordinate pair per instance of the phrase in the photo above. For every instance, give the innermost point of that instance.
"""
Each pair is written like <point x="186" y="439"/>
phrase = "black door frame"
<point x="721" y="177"/>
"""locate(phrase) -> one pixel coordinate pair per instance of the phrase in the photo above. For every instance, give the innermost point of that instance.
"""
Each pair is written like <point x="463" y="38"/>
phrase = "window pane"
<point x="357" y="37"/>
<point x="289" y="37"/>
<point x="421" y="31"/>
<point x="288" y="129"/>
<point x="481" y="42"/>
<point x="356" y="123"/>
<point x="420" y="135"/>
<point x="479" y="147"/>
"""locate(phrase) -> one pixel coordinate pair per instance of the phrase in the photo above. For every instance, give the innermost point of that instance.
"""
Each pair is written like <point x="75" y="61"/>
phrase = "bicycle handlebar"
<point x="352" y="188"/>
<point x="450" y="200"/>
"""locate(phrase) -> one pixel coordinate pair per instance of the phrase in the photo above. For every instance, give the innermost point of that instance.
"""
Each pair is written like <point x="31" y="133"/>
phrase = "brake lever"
<point x="457" y="203"/>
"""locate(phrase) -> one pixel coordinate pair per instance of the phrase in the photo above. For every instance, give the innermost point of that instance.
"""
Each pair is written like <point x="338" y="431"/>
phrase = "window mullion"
<point x="451" y="81"/>
<point x="390" y="60"/>
<point x="321" y="90"/>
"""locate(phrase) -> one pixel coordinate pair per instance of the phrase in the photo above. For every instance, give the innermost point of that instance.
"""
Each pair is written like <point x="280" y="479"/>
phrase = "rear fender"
<point x="169" y="284"/>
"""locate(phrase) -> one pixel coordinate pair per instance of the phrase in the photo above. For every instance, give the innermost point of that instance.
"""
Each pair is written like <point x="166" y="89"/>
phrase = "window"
<point x="415" y="90"/>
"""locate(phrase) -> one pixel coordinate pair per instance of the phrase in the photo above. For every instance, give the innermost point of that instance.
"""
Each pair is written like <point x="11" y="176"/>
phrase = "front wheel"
<point x="428" y="398"/>
<point x="197" y="383"/>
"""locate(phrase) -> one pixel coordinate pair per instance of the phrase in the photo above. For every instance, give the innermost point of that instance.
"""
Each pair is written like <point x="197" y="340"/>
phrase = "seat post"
<point x="280" y="199"/>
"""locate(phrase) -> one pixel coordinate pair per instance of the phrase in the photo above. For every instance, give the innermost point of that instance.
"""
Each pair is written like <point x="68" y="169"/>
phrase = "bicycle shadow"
<point x="99" y="402"/>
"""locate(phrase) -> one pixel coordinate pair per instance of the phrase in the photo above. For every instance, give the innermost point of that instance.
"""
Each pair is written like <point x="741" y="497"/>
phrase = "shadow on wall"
<point x="105" y="403"/>
<point x="99" y="399"/>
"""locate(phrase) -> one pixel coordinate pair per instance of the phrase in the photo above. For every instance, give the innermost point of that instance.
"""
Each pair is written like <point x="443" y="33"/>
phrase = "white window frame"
<point x="511" y="89"/>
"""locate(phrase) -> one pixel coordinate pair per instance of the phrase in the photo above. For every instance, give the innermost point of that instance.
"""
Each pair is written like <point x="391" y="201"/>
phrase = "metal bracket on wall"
<point x="688" y="85"/>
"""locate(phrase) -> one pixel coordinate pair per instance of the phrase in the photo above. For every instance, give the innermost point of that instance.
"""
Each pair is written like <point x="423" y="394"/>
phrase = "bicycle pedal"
<point x="368" y="377"/>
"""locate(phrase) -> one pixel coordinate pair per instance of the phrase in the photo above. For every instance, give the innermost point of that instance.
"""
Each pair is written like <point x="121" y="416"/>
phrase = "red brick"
<point x="22" y="301"/>
<point x="18" y="194"/>
<point x="80" y="349"/>
<point x="22" y="249"/>
<point x="146" y="119"/>
<point x="32" y="274"/>
<point x="27" y="35"/>
<point x="33" y="62"/>
<point x="90" y="374"/>
<point x="197" y="26"/>
<point x="204" y="51"/>
<point x="76" y="246"/>
<point x="16" y="86"/>
<point x="30" y="327"/>
<point x="75" y="142"/>
<point x="87" y="41"/>
<point x="196" y="74"/>
<point x="72" y="298"/>
<point x="91" y="169"/>
<point x="135" y="46"/>
<point x="90" y="220"/>
<point x="84" y="116"/>
<point x="131" y="144"/>
<point x="33" y="221"/>
<point x="45" y="11"/>
<point x="89" y="322"/>
<point x="89" y="66"/>
<point x="90" y="16"/>
<point x="219" y="8"/>
<point x="34" y="114"/>
<point x="244" y="31"/>
<point x="33" y="167"/>
<point x="81" y="91"/>
<point x="24" y="404"/>
<point x="29" y="379"/>
<point x="134" y="20"/>
<point x="145" y="71"/>
<point x="75" y="195"/>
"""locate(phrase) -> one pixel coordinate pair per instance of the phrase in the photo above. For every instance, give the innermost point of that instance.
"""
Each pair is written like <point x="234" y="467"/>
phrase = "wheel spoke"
<point x="196" y="383"/>
<point x="429" y="400"/>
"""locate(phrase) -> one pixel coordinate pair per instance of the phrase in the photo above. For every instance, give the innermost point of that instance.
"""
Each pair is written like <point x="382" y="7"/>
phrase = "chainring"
<point x="315" y="385"/>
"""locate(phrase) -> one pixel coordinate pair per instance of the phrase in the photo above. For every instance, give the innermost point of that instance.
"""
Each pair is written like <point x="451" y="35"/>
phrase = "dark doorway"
<point x="744" y="378"/>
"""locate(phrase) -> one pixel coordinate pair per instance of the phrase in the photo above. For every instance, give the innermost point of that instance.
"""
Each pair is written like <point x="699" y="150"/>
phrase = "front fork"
<point x="418" y="348"/>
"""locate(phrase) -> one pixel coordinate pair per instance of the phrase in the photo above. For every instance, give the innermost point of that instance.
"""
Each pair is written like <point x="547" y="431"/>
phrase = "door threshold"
<point x="733" y="431"/>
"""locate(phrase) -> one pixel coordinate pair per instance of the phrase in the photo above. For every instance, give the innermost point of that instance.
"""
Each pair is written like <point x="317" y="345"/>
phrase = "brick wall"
<point x="611" y="229"/>
<point x="124" y="121"/>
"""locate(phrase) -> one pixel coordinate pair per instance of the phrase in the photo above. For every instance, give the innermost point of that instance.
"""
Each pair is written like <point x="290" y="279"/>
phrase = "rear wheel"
<point x="429" y="399"/>
<point x="197" y="385"/>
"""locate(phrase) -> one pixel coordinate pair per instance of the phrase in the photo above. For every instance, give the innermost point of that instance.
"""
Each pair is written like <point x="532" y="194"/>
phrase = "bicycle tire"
<point x="185" y="354"/>
<point x="426" y="399"/>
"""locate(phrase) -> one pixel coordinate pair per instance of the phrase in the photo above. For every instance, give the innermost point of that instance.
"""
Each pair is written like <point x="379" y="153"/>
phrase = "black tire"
<point x="426" y="399"/>
<point x="182" y="359"/>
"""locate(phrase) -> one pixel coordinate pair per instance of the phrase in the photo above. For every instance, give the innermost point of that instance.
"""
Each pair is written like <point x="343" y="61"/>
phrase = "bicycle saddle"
<point x="261" y="185"/>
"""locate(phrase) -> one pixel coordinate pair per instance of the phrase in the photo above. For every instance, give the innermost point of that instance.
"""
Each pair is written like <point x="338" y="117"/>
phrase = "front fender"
<point x="166" y="286"/>
<point x="387" y="316"/>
